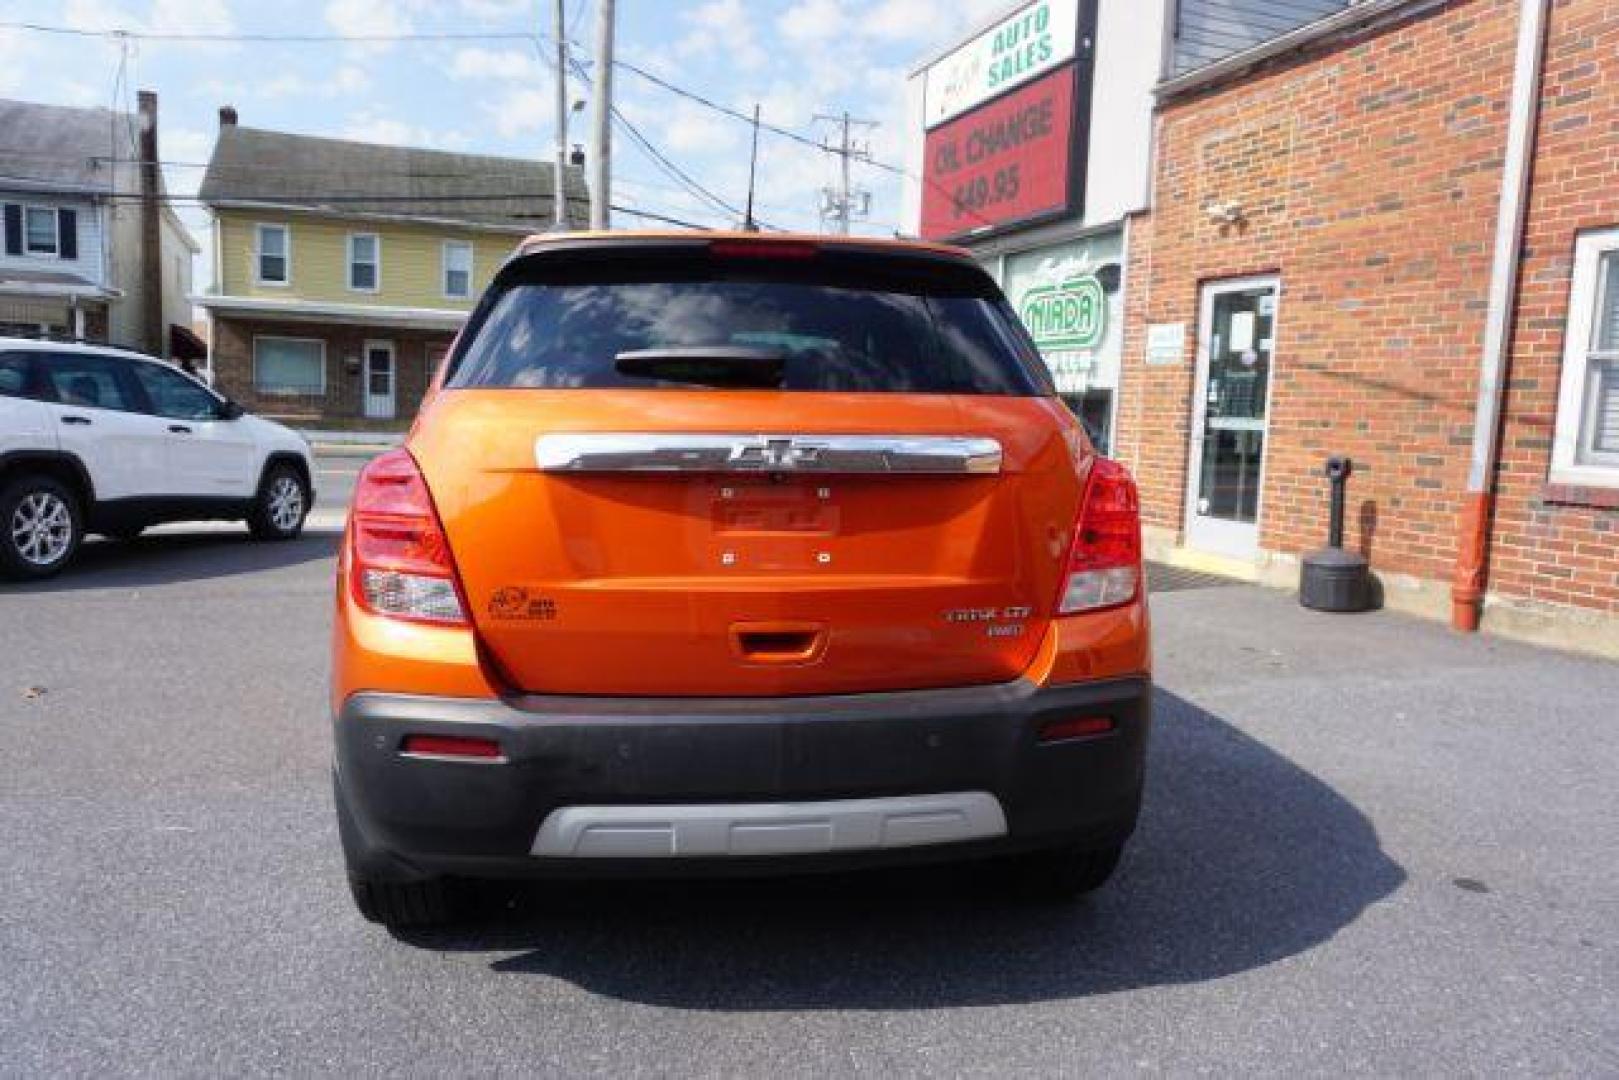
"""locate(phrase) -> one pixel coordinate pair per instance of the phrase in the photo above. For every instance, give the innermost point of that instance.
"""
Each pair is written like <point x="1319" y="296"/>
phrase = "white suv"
<point x="94" y="439"/>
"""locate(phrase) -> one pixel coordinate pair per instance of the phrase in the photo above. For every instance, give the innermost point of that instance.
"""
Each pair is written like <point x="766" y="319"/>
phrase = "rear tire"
<point x="281" y="506"/>
<point x="404" y="903"/>
<point x="1065" y="873"/>
<point x="41" y="526"/>
<point x="382" y="890"/>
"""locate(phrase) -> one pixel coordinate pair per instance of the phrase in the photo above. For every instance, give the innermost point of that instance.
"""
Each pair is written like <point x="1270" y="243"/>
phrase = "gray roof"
<point x="42" y="277"/>
<point x="250" y="165"/>
<point x="61" y="146"/>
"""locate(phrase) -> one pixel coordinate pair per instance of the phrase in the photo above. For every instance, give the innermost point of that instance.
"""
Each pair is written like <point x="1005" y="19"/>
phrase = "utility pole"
<point x="601" y="125"/>
<point x="842" y="205"/>
<point x="559" y="190"/>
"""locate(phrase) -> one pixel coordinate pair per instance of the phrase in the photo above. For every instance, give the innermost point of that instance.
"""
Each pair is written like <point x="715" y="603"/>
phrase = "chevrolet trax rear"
<point x="731" y="553"/>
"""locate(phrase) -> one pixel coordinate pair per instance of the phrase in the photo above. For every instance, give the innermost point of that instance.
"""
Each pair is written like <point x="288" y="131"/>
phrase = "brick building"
<point x="1313" y="276"/>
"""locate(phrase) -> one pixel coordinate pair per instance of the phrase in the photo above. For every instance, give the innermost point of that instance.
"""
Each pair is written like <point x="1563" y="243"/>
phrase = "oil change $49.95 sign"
<point x="1004" y="162"/>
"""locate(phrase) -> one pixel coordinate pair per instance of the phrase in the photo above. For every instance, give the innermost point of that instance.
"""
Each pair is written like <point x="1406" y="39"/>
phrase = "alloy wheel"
<point x="286" y="503"/>
<point x="42" y="528"/>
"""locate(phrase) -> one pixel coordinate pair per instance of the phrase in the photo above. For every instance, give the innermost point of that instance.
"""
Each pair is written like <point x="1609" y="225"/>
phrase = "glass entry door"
<point x="379" y="380"/>
<point x="1236" y="336"/>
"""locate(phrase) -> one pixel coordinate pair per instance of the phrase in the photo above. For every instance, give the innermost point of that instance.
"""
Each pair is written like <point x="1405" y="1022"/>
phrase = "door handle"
<point x="179" y="429"/>
<point x="75" y="419"/>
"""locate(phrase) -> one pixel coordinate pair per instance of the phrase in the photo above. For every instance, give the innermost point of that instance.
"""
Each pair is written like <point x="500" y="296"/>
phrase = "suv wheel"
<point x="1064" y="873"/>
<point x="282" y="505"/>
<point x="42" y="527"/>
<point x="404" y="903"/>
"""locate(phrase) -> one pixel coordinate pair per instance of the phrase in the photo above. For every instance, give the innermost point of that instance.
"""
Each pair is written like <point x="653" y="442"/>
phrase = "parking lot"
<point x="1369" y="846"/>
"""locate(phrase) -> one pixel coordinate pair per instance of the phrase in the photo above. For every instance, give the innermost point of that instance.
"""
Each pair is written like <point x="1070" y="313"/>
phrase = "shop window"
<point x="1585" y="450"/>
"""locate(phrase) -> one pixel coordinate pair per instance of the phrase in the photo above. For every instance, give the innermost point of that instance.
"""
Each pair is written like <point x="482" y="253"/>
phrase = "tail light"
<point x="399" y="558"/>
<point x="1104" y="565"/>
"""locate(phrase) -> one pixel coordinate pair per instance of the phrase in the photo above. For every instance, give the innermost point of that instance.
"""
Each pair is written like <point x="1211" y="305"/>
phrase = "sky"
<point x="794" y="58"/>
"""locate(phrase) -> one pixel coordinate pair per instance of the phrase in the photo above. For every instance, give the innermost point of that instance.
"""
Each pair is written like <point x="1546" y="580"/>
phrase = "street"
<point x="1369" y="847"/>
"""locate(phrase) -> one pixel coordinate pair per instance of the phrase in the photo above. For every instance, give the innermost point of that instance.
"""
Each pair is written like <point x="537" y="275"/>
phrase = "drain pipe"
<point x="1467" y="584"/>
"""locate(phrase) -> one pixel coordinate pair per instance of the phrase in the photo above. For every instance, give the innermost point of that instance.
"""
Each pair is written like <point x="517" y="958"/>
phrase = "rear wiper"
<point x="707" y="365"/>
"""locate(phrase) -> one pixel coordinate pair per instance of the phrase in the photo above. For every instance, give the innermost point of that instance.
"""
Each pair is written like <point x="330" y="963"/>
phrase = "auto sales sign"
<point x="1009" y="161"/>
<point x="1033" y="40"/>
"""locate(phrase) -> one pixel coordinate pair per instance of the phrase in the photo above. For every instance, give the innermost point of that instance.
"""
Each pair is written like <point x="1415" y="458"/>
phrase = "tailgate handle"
<point x="779" y="643"/>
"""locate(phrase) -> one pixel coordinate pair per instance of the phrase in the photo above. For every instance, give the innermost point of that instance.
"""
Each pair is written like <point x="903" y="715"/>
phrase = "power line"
<point x="661" y="160"/>
<point x="181" y="35"/>
<point x="493" y="35"/>
<point x="326" y="200"/>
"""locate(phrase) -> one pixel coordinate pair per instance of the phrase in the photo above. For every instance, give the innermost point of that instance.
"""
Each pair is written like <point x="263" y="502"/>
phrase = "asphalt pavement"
<point x="1369" y="847"/>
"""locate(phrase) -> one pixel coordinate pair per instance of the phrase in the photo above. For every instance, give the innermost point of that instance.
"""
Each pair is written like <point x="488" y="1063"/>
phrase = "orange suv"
<point x="735" y="553"/>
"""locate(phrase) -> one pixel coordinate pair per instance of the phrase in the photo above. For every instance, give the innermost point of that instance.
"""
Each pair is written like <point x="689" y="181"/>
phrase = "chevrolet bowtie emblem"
<point x="770" y="454"/>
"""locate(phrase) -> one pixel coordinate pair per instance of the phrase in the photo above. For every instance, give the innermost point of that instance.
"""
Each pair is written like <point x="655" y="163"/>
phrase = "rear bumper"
<point x="569" y="762"/>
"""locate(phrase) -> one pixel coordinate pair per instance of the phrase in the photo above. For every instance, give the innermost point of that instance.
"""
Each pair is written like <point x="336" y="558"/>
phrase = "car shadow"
<point x="1241" y="859"/>
<point x="165" y="558"/>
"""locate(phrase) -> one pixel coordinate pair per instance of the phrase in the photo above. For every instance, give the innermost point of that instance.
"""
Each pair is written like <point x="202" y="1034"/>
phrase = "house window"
<point x="457" y="270"/>
<point x="270" y="254"/>
<point x="289" y="367"/>
<point x="1585" y="449"/>
<point x="364" y="262"/>
<point x="41" y="230"/>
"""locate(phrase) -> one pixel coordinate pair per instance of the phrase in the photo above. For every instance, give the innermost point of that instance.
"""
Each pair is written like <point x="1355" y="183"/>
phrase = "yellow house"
<point x="343" y="270"/>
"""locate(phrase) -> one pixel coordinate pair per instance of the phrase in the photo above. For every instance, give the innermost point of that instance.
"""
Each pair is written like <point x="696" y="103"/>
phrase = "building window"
<point x="41" y="232"/>
<point x="1585" y="449"/>
<point x="270" y="254"/>
<point x="289" y="367"/>
<point x="365" y="262"/>
<point x="457" y="270"/>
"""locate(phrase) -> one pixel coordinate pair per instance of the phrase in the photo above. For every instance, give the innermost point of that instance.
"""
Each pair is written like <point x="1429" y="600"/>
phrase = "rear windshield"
<point x="823" y="326"/>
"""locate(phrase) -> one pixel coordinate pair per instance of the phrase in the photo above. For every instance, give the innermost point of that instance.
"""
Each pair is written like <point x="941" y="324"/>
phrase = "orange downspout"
<point x="1473" y="533"/>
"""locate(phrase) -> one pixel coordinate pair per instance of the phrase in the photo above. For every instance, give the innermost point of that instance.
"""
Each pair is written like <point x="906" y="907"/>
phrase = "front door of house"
<point x="379" y="380"/>
<point x="1236" y="341"/>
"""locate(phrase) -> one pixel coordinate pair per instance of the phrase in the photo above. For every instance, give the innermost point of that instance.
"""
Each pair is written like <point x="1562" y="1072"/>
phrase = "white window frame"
<point x="444" y="268"/>
<point x="258" y="252"/>
<point x="324" y="380"/>
<point x="1589" y="248"/>
<point x="351" y="262"/>
<point x="56" y="232"/>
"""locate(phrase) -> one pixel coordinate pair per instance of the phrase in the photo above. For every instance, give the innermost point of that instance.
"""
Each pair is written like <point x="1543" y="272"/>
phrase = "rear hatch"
<point x="751" y="468"/>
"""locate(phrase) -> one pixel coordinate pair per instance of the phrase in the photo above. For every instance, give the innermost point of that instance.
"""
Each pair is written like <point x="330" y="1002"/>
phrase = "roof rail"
<point x="68" y="339"/>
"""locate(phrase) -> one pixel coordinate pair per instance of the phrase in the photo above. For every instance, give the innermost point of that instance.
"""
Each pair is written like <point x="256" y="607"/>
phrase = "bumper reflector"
<point x="458" y="746"/>
<point x="1075" y="727"/>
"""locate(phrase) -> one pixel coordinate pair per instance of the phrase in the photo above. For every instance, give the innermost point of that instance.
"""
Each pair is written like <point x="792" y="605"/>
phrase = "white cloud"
<point x="496" y="9"/>
<point x="373" y="127"/>
<point x="504" y="64"/>
<point x="690" y="128"/>
<point x="522" y="112"/>
<point x="347" y="81"/>
<point x="13" y="61"/>
<point x="163" y="16"/>
<point x="812" y="20"/>
<point x="722" y="28"/>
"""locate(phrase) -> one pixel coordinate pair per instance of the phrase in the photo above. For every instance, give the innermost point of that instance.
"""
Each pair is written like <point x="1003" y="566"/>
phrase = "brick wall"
<point x="1550" y="545"/>
<point x="342" y="404"/>
<point x="1368" y="177"/>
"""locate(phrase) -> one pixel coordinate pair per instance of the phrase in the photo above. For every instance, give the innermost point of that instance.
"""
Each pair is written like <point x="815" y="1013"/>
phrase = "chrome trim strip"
<point x="746" y="829"/>
<point x="675" y="452"/>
